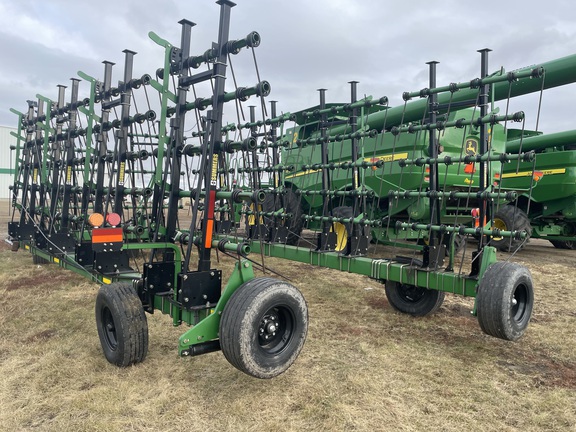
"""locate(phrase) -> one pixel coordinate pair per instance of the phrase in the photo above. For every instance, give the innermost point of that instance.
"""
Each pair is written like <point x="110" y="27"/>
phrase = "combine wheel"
<point x="413" y="300"/>
<point x="263" y="327"/>
<point x="510" y="218"/>
<point x="39" y="260"/>
<point x="504" y="300"/>
<point x="564" y="244"/>
<point x="343" y="230"/>
<point x="121" y="323"/>
<point x="291" y="205"/>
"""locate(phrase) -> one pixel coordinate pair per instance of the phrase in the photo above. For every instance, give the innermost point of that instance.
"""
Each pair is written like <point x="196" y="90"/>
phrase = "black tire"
<point x="504" y="300"/>
<point x="264" y="327"/>
<point x="564" y="244"/>
<point x="413" y="300"/>
<point x="295" y="223"/>
<point x="39" y="260"/>
<point x="122" y="325"/>
<point x="510" y="218"/>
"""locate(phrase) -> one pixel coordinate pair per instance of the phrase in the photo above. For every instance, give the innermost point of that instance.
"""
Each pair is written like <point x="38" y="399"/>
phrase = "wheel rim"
<point x="519" y="306"/>
<point x="499" y="224"/>
<point x="341" y="235"/>
<point x="411" y="293"/>
<point x="276" y="329"/>
<point x="110" y="336"/>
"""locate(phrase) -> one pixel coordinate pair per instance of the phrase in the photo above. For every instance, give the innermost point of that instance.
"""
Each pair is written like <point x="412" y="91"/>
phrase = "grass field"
<point x="364" y="367"/>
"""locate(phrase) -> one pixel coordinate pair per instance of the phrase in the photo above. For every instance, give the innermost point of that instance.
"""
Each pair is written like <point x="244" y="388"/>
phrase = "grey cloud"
<point x="309" y="44"/>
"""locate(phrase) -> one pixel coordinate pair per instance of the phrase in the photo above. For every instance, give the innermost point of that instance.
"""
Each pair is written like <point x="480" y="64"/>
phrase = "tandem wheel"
<point x="413" y="300"/>
<point x="263" y="327"/>
<point x="504" y="300"/>
<point x="122" y="325"/>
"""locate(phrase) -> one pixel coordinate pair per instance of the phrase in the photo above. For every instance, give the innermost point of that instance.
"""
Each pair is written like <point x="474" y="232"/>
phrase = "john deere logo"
<point x="471" y="147"/>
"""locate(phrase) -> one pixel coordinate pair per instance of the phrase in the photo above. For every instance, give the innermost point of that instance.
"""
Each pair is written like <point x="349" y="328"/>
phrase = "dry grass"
<point x="364" y="367"/>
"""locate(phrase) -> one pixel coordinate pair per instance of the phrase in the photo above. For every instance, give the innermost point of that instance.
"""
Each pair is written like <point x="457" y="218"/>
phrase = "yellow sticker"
<point x="529" y="173"/>
<point x="302" y="173"/>
<point x="121" y="173"/>
<point x="56" y="260"/>
<point x="107" y="281"/>
<point x="214" y="175"/>
<point x="468" y="181"/>
<point x="387" y="158"/>
<point x="27" y="247"/>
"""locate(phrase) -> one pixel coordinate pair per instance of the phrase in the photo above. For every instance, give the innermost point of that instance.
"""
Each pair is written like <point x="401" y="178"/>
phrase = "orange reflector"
<point x="209" y="228"/>
<point x="95" y="220"/>
<point x="113" y="219"/>
<point x="538" y="175"/>
<point x="470" y="168"/>
<point x="107" y="235"/>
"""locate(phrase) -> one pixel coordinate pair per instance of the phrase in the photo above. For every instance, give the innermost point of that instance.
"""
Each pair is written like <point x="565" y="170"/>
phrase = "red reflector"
<point x="113" y="219"/>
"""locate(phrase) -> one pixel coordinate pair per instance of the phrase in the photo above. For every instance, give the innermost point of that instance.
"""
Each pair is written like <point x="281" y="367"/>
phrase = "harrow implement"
<point x="390" y="193"/>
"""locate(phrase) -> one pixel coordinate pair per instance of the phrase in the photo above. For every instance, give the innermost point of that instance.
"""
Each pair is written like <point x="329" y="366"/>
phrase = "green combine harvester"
<point x="547" y="211"/>
<point x="551" y="204"/>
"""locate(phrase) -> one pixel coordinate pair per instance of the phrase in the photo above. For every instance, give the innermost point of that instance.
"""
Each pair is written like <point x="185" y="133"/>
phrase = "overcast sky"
<point x="306" y="44"/>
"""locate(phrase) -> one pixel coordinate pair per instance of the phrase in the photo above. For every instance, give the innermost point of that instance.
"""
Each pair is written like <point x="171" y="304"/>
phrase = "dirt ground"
<point x="364" y="367"/>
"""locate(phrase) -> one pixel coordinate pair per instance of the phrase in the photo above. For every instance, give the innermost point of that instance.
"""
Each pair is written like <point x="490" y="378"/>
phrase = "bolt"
<point x="179" y="291"/>
<point x="204" y="296"/>
<point x="200" y="337"/>
<point x="185" y="353"/>
<point x="151" y="286"/>
<point x="99" y="267"/>
<point x="149" y="266"/>
<point x="185" y="277"/>
<point x="514" y="302"/>
<point x="116" y="265"/>
<point x="186" y="341"/>
<point x="246" y="265"/>
<point x="186" y="299"/>
<point x="168" y="284"/>
<point x="211" y="273"/>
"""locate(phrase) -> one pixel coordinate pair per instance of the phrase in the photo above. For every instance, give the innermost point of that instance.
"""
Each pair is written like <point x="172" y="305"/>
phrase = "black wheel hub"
<point x="275" y="330"/>
<point x="519" y="303"/>
<point x="109" y="329"/>
<point x="268" y="327"/>
<point x="411" y="293"/>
